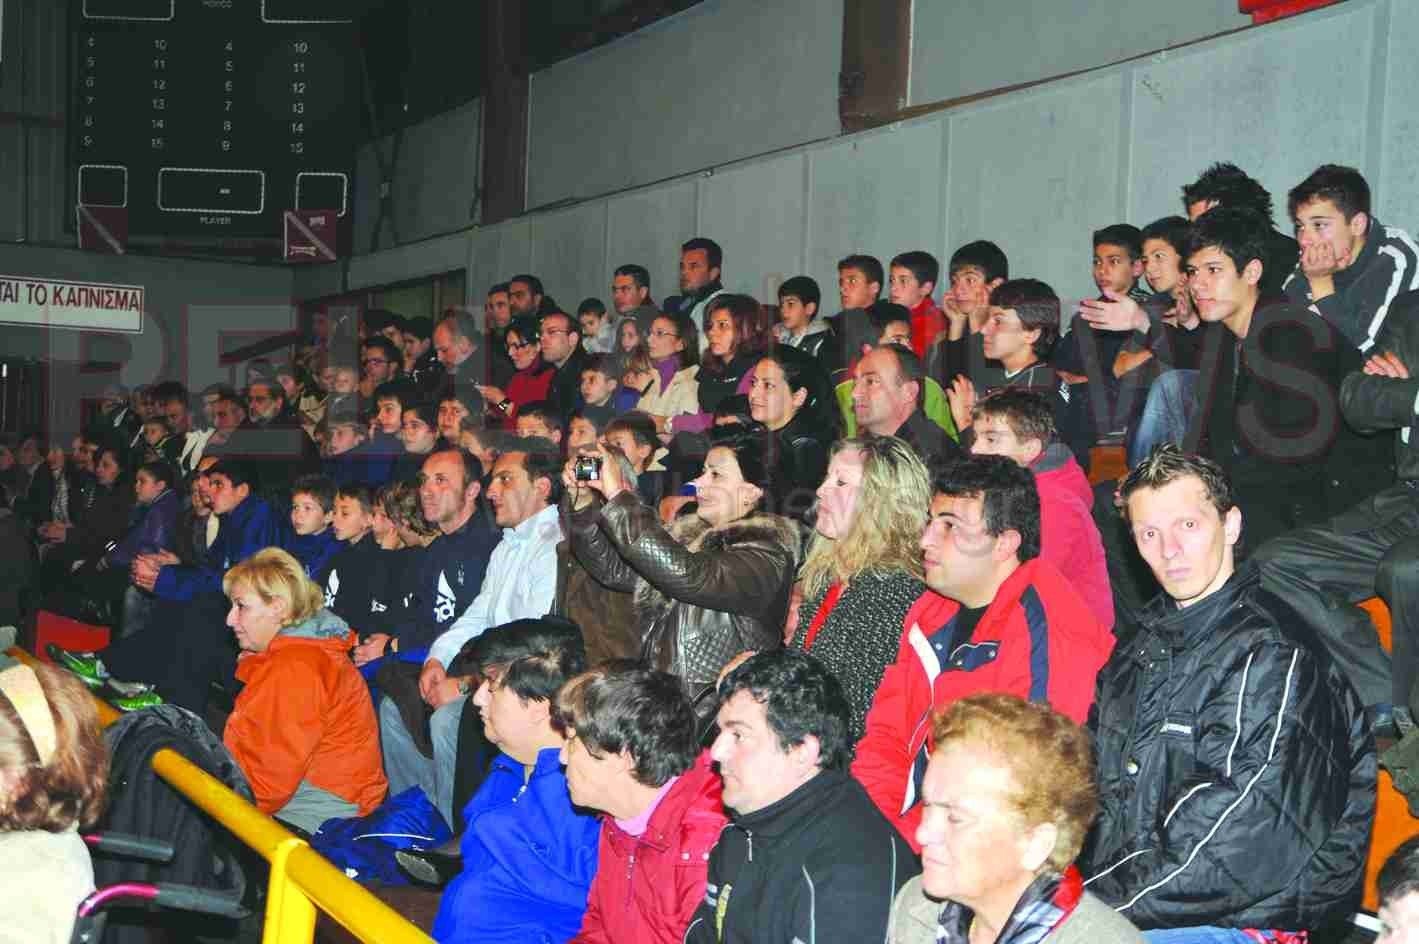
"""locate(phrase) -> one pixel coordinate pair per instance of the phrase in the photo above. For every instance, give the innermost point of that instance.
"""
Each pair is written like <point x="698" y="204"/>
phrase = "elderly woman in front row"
<point x="1009" y="795"/>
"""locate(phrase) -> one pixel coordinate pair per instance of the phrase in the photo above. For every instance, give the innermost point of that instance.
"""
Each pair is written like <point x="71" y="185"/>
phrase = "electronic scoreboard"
<point x="212" y="117"/>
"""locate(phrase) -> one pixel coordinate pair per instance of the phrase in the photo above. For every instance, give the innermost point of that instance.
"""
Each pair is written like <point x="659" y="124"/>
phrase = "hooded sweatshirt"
<point x="306" y="715"/>
<point x="1069" y="539"/>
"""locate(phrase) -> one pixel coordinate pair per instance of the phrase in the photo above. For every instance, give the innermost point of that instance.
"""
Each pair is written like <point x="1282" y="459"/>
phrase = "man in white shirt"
<point x="520" y="583"/>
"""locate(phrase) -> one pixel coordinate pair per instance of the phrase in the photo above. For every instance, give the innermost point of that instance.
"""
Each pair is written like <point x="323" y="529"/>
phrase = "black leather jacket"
<point x="703" y="593"/>
<point x="1236" y="770"/>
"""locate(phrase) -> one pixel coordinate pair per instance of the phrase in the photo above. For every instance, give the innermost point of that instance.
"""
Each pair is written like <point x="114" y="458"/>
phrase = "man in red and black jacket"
<point x="996" y="618"/>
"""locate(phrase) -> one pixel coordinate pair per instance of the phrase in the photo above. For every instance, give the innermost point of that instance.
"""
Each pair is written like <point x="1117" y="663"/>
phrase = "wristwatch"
<point x="505" y="405"/>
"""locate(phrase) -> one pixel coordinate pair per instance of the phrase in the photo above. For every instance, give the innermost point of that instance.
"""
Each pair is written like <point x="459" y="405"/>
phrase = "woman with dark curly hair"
<point x="53" y="772"/>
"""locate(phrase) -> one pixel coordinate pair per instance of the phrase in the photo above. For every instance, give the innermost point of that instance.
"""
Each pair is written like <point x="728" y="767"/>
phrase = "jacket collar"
<point x="793" y="812"/>
<point x="1374" y="236"/>
<point x="1181" y="626"/>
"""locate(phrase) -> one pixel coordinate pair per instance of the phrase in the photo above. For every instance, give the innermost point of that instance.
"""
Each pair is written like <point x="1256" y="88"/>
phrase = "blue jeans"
<point x="1172" y="400"/>
<point x="1200" y="935"/>
<point x="406" y="766"/>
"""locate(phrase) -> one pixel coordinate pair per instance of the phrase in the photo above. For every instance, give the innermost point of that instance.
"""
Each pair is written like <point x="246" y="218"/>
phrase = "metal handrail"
<point x="302" y="880"/>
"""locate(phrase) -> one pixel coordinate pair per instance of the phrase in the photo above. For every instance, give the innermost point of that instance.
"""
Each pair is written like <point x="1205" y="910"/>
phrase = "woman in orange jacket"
<point x="303" y="729"/>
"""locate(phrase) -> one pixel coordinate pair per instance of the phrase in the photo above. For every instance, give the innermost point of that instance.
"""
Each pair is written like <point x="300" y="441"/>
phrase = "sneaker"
<point x="86" y="665"/>
<point x="136" y="702"/>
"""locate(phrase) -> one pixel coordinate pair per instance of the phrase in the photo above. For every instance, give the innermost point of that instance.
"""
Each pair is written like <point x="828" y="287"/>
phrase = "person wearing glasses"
<point x="380" y="362"/>
<point x="674" y="387"/>
<point x="563" y="350"/>
<point x="532" y="378"/>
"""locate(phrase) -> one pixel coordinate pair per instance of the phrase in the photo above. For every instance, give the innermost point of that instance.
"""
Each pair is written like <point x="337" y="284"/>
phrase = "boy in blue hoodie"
<point x="311" y="541"/>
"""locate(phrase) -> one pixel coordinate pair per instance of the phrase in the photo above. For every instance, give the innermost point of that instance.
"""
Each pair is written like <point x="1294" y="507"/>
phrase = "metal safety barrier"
<point x="302" y="880"/>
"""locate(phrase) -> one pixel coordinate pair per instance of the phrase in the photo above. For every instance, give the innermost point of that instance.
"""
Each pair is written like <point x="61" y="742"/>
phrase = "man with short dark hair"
<point x="805" y="849"/>
<point x="562" y="348"/>
<point x="520" y="583"/>
<point x="996" y="617"/>
<point x="173" y="401"/>
<point x="1269" y="387"/>
<point x="381" y="361"/>
<point x="1351" y="267"/>
<point x="701" y="264"/>
<point x="1227" y="185"/>
<point x="526" y="297"/>
<point x="1236" y="771"/>
<point x="630" y="293"/>
<point x="886" y="400"/>
<point x="631" y="753"/>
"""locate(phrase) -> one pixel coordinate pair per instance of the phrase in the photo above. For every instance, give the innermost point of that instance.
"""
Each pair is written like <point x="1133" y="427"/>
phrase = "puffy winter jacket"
<point x="153" y="529"/>
<point x="305" y="714"/>
<point x="1038" y="639"/>
<point x="1069" y="539"/>
<point x="703" y="593"/>
<point x="647" y="887"/>
<point x="1236" y="770"/>
<point x="528" y="860"/>
<point x="246" y="529"/>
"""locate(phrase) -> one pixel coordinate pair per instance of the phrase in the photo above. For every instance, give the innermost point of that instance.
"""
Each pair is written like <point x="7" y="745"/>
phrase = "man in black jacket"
<point x="1372" y="547"/>
<point x="562" y="348"/>
<point x="828" y="864"/>
<point x="1236" y="771"/>
<point x="1269" y="388"/>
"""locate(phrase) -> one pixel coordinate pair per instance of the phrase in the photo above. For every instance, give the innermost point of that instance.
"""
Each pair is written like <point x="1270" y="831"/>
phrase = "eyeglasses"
<point x="661" y="333"/>
<point x="555" y="331"/>
<point x="519" y="345"/>
<point x="373" y="360"/>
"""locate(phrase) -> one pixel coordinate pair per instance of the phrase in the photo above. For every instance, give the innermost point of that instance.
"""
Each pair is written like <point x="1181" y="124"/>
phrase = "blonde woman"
<point x="303" y="729"/>
<point x="863" y="570"/>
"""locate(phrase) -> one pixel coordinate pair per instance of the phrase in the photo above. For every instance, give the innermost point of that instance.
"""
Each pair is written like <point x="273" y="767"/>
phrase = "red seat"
<point x="67" y="634"/>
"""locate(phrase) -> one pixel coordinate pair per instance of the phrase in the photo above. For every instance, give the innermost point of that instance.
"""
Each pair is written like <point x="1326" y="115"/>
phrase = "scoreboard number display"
<point x="212" y="118"/>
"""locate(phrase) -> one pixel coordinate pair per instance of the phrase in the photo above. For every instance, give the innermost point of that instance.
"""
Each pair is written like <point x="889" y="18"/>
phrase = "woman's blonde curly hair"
<point x="885" y="534"/>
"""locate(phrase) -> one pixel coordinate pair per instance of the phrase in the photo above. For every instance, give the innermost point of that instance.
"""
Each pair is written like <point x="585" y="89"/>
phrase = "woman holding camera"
<point x="711" y="585"/>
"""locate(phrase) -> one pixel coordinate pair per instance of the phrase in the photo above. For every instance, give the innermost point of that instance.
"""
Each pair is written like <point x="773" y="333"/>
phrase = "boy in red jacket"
<point x="997" y="618"/>
<point x="1019" y="424"/>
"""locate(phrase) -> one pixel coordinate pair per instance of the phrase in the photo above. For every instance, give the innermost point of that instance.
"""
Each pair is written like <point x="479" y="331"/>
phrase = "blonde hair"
<point x="273" y="574"/>
<point x="892" y="504"/>
<point x="1047" y="755"/>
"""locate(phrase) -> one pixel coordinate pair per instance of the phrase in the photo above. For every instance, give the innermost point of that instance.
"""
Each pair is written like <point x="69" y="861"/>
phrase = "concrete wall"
<point x="1035" y="170"/>
<point x="960" y="47"/>
<point x="435" y="176"/>
<point x="722" y="81"/>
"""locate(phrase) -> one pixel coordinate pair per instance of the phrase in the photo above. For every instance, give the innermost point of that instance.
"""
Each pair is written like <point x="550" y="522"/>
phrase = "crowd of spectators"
<point x="717" y="620"/>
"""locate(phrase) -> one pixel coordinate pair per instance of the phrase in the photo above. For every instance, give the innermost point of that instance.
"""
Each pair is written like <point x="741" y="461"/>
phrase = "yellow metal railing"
<point x="302" y="880"/>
